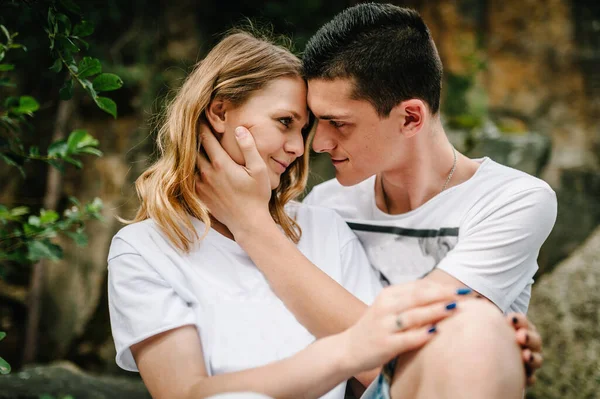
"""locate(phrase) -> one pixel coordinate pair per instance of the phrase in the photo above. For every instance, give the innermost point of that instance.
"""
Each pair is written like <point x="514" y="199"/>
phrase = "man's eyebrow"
<point x="330" y="117"/>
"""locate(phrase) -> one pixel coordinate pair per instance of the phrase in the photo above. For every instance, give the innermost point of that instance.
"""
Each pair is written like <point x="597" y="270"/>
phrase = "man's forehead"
<point x="329" y="95"/>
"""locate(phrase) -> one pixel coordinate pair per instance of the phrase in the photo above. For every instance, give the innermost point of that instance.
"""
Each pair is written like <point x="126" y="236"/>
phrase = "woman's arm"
<point x="172" y="367"/>
<point x="172" y="363"/>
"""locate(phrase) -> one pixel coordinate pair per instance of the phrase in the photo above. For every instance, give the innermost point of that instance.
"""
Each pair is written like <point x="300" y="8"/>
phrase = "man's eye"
<point x="285" y="121"/>
<point x="336" y="124"/>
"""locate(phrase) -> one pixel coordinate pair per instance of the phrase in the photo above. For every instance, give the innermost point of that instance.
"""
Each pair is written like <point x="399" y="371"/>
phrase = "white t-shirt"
<point x="153" y="287"/>
<point x="485" y="232"/>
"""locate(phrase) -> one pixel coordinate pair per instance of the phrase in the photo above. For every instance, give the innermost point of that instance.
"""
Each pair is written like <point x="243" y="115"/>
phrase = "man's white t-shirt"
<point x="485" y="232"/>
<point x="153" y="287"/>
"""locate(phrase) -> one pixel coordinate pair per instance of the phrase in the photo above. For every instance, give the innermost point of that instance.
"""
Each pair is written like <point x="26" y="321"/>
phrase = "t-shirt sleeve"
<point x="497" y="253"/>
<point x="141" y="303"/>
<point x="358" y="276"/>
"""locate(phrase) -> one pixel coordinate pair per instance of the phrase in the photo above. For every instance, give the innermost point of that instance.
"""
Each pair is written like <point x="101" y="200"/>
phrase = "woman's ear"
<point x="216" y="114"/>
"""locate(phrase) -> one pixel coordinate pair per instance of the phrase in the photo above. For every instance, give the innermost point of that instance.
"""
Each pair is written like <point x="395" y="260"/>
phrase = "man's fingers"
<point x="252" y="158"/>
<point x="214" y="150"/>
<point x="529" y="339"/>
<point x="517" y="320"/>
<point x="533" y="360"/>
<point x="202" y="162"/>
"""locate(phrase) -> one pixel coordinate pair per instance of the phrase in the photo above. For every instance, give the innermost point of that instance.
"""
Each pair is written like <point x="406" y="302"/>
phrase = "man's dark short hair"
<point x="386" y="50"/>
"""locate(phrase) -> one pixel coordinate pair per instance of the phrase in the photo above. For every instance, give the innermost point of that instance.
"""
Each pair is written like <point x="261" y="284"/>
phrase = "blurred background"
<point x="522" y="85"/>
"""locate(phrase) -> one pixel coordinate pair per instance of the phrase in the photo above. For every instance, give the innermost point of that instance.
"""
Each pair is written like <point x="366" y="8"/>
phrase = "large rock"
<point x="62" y="379"/>
<point x="566" y="308"/>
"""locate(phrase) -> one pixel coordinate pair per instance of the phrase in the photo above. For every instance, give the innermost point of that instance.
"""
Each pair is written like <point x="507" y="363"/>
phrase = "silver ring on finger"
<point x="400" y="326"/>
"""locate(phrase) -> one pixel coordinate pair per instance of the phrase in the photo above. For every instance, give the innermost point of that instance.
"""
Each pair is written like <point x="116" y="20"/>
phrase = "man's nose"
<point x="323" y="140"/>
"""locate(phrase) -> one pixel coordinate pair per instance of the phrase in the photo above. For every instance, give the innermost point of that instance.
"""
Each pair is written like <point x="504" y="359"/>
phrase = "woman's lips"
<point x="282" y="165"/>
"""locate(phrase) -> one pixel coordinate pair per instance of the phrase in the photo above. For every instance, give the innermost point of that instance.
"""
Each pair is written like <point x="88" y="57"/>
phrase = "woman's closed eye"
<point x="336" y="124"/>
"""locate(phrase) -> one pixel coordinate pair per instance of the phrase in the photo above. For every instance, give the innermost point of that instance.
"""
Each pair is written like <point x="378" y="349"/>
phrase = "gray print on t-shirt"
<point x="403" y="255"/>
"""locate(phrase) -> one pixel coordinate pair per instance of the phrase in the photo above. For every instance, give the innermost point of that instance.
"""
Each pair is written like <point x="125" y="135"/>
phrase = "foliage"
<point x="465" y="101"/>
<point x="27" y="235"/>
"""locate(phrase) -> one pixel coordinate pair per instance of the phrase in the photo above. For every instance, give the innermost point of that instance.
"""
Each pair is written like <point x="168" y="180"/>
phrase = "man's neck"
<point x="422" y="176"/>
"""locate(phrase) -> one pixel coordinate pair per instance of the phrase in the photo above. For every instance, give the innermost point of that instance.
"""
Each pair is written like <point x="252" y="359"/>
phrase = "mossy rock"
<point x="565" y="306"/>
<point x="66" y="380"/>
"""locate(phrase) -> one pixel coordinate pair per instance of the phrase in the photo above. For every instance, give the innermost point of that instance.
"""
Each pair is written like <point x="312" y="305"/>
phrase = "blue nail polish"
<point x="451" y="306"/>
<point x="432" y="330"/>
<point x="463" y="291"/>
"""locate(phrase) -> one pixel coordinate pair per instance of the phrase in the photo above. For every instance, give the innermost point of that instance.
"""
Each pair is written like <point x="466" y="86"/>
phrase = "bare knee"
<point x="475" y="348"/>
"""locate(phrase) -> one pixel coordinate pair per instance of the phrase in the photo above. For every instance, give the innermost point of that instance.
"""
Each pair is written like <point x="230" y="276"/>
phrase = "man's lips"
<point x="338" y="161"/>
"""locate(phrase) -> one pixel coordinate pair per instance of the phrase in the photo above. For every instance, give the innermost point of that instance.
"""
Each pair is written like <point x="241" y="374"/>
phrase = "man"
<point x="374" y="82"/>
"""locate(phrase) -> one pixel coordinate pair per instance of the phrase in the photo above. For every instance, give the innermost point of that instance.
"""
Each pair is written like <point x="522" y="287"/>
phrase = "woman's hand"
<point x="237" y="195"/>
<point x="531" y="344"/>
<point x="401" y="319"/>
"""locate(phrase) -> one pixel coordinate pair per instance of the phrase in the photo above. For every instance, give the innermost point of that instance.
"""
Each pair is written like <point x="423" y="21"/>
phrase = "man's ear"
<point x="411" y="115"/>
<point x="216" y="114"/>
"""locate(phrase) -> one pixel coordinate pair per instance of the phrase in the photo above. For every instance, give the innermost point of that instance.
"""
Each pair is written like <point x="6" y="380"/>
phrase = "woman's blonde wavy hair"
<point x="238" y="66"/>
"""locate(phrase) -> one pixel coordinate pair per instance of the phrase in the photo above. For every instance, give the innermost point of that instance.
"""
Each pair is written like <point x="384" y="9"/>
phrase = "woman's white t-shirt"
<point x="153" y="287"/>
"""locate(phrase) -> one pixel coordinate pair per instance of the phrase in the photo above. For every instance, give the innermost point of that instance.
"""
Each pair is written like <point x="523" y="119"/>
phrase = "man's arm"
<point x="497" y="257"/>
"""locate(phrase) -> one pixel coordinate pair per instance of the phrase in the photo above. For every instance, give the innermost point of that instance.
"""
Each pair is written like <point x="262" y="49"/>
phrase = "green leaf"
<point x="57" y="165"/>
<point x="68" y="45"/>
<point x="11" y="102"/>
<point x="19" y="211"/>
<point x="3" y="28"/>
<point x="78" y="237"/>
<point x="89" y="66"/>
<point x="6" y="83"/>
<point x="66" y="22"/>
<point x="57" y="66"/>
<point x="4" y="367"/>
<point x="35" y="221"/>
<point x="58" y="149"/>
<point x="51" y="19"/>
<point x="66" y="92"/>
<point x="87" y="85"/>
<point x="12" y="162"/>
<point x="91" y="151"/>
<point x="80" y="40"/>
<point x="34" y="151"/>
<point x="27" y="105"/>
<point x="43" y="250"/>
<point x="107" y="105"/>
<point x="95" y="206"/>
<point x="83" y="29"/>
<point x="6" y="67"/>
<point x="74" y="161"/>
<point x="71" y="6"/>
<point x="47" y="217"/>
<point x="76" y="137"/>
<point x="107" y="82"/>
<point x="2" y="335"/>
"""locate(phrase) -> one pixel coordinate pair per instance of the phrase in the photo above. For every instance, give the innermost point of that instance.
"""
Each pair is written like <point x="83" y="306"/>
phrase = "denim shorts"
<point x="380" y="388"/>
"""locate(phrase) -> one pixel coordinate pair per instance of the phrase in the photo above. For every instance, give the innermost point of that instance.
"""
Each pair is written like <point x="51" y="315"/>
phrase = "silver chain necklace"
<point x="451" y="170"/>
<point x="385" y="197"/>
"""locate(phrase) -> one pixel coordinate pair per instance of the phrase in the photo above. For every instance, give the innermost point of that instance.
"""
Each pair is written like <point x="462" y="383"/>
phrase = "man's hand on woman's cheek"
<point x="237" y="195"/>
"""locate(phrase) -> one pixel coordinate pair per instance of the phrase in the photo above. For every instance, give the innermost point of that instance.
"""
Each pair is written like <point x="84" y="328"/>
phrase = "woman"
<point x="189" y="310"/>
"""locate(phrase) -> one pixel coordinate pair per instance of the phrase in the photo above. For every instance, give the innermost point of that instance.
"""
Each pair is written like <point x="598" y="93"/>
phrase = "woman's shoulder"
<point x="313" y="213"/>
<point x="318" y="222"/>
<point x="135" y="238"/>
